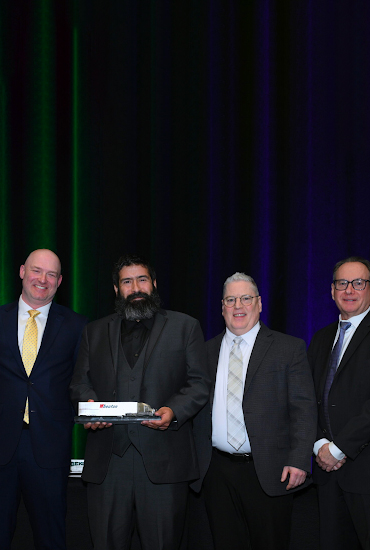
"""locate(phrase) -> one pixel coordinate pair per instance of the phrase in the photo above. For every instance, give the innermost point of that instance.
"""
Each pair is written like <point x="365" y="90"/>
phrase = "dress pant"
<point x="344" y="517"/>
<point x="127" y="498"/>
<point x="242" y="516"/>
<point x="44" y="491"/>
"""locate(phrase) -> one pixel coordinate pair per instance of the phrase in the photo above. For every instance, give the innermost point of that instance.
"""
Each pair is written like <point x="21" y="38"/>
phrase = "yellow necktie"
<point x="29" y="349"/>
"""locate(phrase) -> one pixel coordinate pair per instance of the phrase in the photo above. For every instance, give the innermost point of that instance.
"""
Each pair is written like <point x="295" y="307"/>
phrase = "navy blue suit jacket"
<point x="51" y="413"/>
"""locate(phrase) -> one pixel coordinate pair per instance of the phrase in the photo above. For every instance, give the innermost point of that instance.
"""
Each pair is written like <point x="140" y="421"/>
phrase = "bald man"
<point x="39" y="340"/>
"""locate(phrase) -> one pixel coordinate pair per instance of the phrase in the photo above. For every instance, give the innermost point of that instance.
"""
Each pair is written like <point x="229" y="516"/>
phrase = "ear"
<point x="155" y="283"/>
<point x="22" y="270"/>
<point x="59" y="280"/>
<point x="115" y="290"/>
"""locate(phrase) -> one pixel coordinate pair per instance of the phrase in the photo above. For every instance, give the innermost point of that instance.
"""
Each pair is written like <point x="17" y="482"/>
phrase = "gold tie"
<point x="29" y="349"/>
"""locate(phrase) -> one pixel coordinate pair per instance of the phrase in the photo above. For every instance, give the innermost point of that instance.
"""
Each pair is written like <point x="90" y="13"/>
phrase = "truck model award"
<point x="114" y="412"/>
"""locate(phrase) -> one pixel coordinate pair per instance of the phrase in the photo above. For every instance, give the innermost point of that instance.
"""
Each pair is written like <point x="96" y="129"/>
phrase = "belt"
<point x="235" y="457"/>
<point x="25" y="425"/>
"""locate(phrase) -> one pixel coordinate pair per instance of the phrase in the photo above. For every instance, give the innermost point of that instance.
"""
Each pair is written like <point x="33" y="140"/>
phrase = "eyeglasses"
<point x="245" y="300"/>
<point x="358" y="284"/>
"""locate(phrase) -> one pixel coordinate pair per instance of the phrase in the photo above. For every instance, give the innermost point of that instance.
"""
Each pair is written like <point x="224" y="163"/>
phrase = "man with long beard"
<point x="139" y="474"/>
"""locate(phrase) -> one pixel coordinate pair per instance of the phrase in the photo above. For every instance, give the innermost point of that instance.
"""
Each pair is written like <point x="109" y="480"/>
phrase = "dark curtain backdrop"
<point x="212" y="136"/>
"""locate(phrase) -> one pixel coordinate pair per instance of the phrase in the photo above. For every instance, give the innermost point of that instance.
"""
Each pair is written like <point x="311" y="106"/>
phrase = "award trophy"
<point x="114" y="412"/>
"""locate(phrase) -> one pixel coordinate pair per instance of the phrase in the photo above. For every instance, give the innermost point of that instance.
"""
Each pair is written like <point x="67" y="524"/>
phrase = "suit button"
<point x="324" y="431"/>
<point x="132" y="378"/>
<point x="319" y="402"/>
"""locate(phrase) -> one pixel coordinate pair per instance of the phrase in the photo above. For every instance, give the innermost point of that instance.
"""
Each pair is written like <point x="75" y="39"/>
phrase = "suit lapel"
<point x="263" y="342"/>
<point x="53" y="324"/>
<point x="361" y="332"/>
<point x="10" y="327"/>
<point x="213" y="352"/>
<point x="155" y="333"/>
<point x="114" y="331"/>
<point x="326" y="346"/>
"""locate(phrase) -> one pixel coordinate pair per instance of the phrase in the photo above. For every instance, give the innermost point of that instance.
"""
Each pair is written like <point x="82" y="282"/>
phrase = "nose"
<point x="135" y="285"/>
<point x="236" y="302"/>
<point x="349" y="289"/>
<point x="42" y="277"/>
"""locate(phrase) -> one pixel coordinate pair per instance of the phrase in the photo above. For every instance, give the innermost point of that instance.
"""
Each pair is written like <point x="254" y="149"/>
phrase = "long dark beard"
<point x="132" y="310"/>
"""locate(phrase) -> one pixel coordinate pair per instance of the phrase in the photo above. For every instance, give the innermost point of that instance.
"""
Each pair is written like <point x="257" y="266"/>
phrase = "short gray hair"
<point x="240" y="277"/>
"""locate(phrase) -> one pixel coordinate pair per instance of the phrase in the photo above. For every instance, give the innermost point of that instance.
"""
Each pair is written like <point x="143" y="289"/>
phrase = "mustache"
<point x="131" y="297"/>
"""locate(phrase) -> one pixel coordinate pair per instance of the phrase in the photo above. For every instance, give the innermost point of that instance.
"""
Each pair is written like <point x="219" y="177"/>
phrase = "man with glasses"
<point x="339" y="355"/>
<point x="263" y="425"/>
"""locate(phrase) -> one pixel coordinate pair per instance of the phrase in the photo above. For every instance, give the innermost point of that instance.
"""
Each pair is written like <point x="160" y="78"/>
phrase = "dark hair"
<point x="131" y="259"/>
<point x="358" y="259"/>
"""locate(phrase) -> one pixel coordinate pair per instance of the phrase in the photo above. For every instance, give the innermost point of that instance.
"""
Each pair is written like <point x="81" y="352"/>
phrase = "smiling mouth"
<point x="239" y="314"/>
<point x="40" y="287"/>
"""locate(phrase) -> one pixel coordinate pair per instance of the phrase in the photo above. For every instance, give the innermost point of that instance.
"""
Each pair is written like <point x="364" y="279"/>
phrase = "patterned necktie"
<point x="333" y="365"/>
<point x="29" y="350"/>
<point x="235" y="417"/>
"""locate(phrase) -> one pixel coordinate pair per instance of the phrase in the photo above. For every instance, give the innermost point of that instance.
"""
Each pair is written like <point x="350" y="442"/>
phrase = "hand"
<point x="167" y="416"/>
<point x="296" y="476"/>
<point x="96" y="425"/>
<point x="326" y="460"/>
<point x="339" y="464"/>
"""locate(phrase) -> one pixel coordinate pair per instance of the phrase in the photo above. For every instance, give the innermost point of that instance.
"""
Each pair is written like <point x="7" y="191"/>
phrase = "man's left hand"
<point x="167" y="416"/>
<point x="296" y="476"/>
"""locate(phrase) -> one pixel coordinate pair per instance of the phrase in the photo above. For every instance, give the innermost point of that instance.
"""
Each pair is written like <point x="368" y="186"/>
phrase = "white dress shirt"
<point x="219" y="414"/>
<point x="355" y="321"/>
<point x="23" y="317"/>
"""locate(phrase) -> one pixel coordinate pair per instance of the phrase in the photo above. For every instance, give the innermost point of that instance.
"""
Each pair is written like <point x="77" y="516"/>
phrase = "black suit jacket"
<point x="278" y="404"/>
<point x="175" y="376"/>
<point x="51" y="412"/>
<point x="349" y="404"/>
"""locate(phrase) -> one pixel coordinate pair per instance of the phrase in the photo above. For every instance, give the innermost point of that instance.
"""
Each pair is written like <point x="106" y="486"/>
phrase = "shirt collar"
<point x="24" y="308"/>
<point x="248" y="337"/>
<point x="356" y="319"/>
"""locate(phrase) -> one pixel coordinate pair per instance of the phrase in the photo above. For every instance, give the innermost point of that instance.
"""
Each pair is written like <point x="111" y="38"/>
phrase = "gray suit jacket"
<point x="278" y="404"/>
<point x="174" y="375"/>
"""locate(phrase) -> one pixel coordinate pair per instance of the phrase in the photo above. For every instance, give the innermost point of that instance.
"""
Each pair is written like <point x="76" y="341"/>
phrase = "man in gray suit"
<point x="263" y="426"/>
<point x="139" y="474"/>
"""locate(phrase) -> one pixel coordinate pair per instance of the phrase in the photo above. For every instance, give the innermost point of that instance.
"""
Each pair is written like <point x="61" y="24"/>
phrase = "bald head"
<point x="41" y="277"/>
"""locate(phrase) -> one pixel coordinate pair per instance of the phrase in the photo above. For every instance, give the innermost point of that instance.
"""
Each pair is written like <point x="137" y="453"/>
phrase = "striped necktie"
<point x="235" y="417"/>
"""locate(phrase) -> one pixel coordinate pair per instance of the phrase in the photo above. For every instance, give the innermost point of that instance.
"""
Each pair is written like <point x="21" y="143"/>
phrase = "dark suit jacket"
<point x="174" y="375"/>
<point x="349" y="404"/>
<point x="278" y="404"/>
<point x="51" y="413"/>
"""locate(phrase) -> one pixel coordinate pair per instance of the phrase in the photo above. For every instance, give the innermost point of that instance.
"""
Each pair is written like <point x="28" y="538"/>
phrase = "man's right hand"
<point x="327" y="461"/>
<point x="96" y="425"/>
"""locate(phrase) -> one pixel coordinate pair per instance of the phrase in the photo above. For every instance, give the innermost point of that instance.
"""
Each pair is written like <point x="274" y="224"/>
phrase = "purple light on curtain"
<point x="264" y="155"/>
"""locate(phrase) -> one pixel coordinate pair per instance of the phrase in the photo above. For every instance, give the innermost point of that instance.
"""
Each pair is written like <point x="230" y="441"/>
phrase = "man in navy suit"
<point x="36" y="413"/>
<point x="339" y="355"/>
